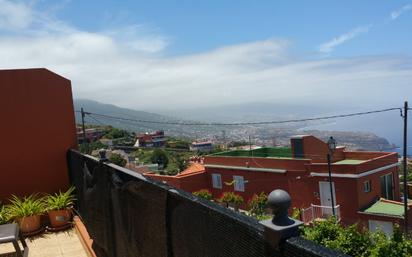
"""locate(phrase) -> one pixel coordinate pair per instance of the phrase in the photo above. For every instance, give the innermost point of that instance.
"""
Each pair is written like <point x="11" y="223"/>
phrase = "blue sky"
<point x="155" y="55"/>
<point x="195" y="26"/>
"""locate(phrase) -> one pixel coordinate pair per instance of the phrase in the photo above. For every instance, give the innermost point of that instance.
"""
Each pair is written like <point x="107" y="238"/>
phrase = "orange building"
<point x="38" y="128"/>
<point x="359" y="179"/>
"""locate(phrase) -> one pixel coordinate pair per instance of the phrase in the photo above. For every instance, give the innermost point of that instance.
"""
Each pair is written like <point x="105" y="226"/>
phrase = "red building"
<point x="92" y="134"/>
<point x="156" y="139"/>
<point x="359" y="179"/>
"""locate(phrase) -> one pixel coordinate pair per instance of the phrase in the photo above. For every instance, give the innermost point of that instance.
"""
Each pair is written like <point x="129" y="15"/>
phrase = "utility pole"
<point x="224" y="139"/>
<point x="405" y="164"/>
<point x="84" y="130"/>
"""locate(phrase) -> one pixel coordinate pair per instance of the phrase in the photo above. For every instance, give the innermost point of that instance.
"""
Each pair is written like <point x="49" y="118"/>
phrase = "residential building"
<point x="206" y="146"/>
<point x="92" y="134"/>
<point x="359" y="179"/>
<point x="155" y="139"/>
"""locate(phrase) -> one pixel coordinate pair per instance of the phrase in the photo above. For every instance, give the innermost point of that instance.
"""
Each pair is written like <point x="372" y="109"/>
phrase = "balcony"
<point x="318" y="212"/>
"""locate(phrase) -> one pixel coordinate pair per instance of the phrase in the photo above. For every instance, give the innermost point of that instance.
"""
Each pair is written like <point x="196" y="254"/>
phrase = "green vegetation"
<point x="176" y="161"/>
<point x="24" y="207"/>
<point x="279" y="152"/>
<point x="356" y="242"/>
<point x="89" y="148"/>
<point x="117" y="159"/>
<point x="113" y="133"/>
<point x="160" y="157"/>
<point x="231" y="198"/>
<point x="177" y="144"/>
<point x="61" y="200"/>
<point x="203" y="193"/>
<point x="257" y="205"/>
<point x="4" y="215"/>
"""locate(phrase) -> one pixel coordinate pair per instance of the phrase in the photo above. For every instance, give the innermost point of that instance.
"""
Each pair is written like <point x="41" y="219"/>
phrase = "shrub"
<point x="230" y="197"/>
<point x="117" y="159"/>
<point x="257" y="204"/>
<point x="356" y="242"/>
<point x="203" y="193"/>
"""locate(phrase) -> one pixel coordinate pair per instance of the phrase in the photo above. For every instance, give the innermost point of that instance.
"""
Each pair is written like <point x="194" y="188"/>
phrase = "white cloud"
<point x="129" y="69"/>
<point x="329" y="46"/>
<point x="397" y="13"/>
<point x="14" y="15"/>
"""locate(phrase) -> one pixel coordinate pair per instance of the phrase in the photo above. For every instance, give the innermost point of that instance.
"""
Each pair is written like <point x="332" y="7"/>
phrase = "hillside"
<point x="261" y="135"/>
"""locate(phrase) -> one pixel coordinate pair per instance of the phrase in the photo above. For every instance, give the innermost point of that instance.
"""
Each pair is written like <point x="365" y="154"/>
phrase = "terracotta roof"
<point x="193" y="168"/>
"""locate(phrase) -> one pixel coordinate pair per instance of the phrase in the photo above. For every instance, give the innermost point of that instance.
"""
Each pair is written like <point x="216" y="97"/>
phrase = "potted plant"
<point x="59" y="207"/>
<point x="4" y="216"/>
<point x="26" y="212"/>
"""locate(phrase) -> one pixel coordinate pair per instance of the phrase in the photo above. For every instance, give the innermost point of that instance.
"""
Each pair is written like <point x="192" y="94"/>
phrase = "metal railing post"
<point x="281" y="226"/>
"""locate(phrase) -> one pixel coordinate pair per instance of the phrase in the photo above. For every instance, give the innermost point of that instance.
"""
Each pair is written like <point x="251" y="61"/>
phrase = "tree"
<point x="117" y="159"/>
<point x="116" y="133"/>
<point x="160" y="157"/>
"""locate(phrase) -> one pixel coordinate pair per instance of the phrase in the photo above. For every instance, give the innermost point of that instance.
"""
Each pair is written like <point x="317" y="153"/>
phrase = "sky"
<point x="154" y="55"/>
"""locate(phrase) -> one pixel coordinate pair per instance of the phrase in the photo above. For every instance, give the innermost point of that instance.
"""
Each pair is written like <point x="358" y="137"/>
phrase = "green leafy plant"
<point x="230" y="197"/>
<point x="237" y="200"/>
<point x="358" y="242"/>
<point x="25" y="207"/>
<point x="4" y="215"/>
<point x="257" y="204"/>
<point x="117" y="159"/>
<point x="61" y="200"/>
<point x="296" y="212"/>
<point x="203" y="193"/>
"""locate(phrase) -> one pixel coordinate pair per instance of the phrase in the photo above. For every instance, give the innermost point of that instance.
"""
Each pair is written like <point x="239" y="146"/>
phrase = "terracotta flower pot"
<point x="29" y="224"/>
<point x="60" y="218"/>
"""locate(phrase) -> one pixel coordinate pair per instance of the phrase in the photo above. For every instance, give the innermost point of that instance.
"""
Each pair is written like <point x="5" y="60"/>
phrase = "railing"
<point x="127" y="215"/>
<point x="319" y="212"/>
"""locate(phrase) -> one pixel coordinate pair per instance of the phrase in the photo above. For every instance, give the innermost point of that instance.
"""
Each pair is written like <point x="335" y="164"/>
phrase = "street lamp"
<point x="331" y="146"/>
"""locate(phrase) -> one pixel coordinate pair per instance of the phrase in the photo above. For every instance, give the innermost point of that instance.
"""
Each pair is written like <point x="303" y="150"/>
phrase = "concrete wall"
<point x="38" y="127"/>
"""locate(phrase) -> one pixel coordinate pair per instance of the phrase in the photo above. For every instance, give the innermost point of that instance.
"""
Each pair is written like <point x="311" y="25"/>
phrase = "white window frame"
<point x="239" y="184"/>
<point x="217" y="180"/>
<point x="367" y="186"/>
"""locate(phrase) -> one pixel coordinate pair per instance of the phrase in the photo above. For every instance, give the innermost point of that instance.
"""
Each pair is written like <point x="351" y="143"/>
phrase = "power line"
<point x="99" y="122"/>
<point x="243" y="123"/>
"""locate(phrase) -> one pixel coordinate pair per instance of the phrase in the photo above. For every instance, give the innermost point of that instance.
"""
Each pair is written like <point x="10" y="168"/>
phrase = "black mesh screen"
<point x="134" y="216"/>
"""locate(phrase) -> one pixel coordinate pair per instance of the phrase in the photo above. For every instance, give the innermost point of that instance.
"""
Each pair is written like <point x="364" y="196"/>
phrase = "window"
<point x="217" y="181"/>
<point x="239" y="183"/>
<point x="367" y="186"/>
<point x="387" y="186"/>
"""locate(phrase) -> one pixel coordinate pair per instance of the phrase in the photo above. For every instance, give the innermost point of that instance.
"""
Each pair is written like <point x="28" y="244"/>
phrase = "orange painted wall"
<point x="38" y="127"/>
